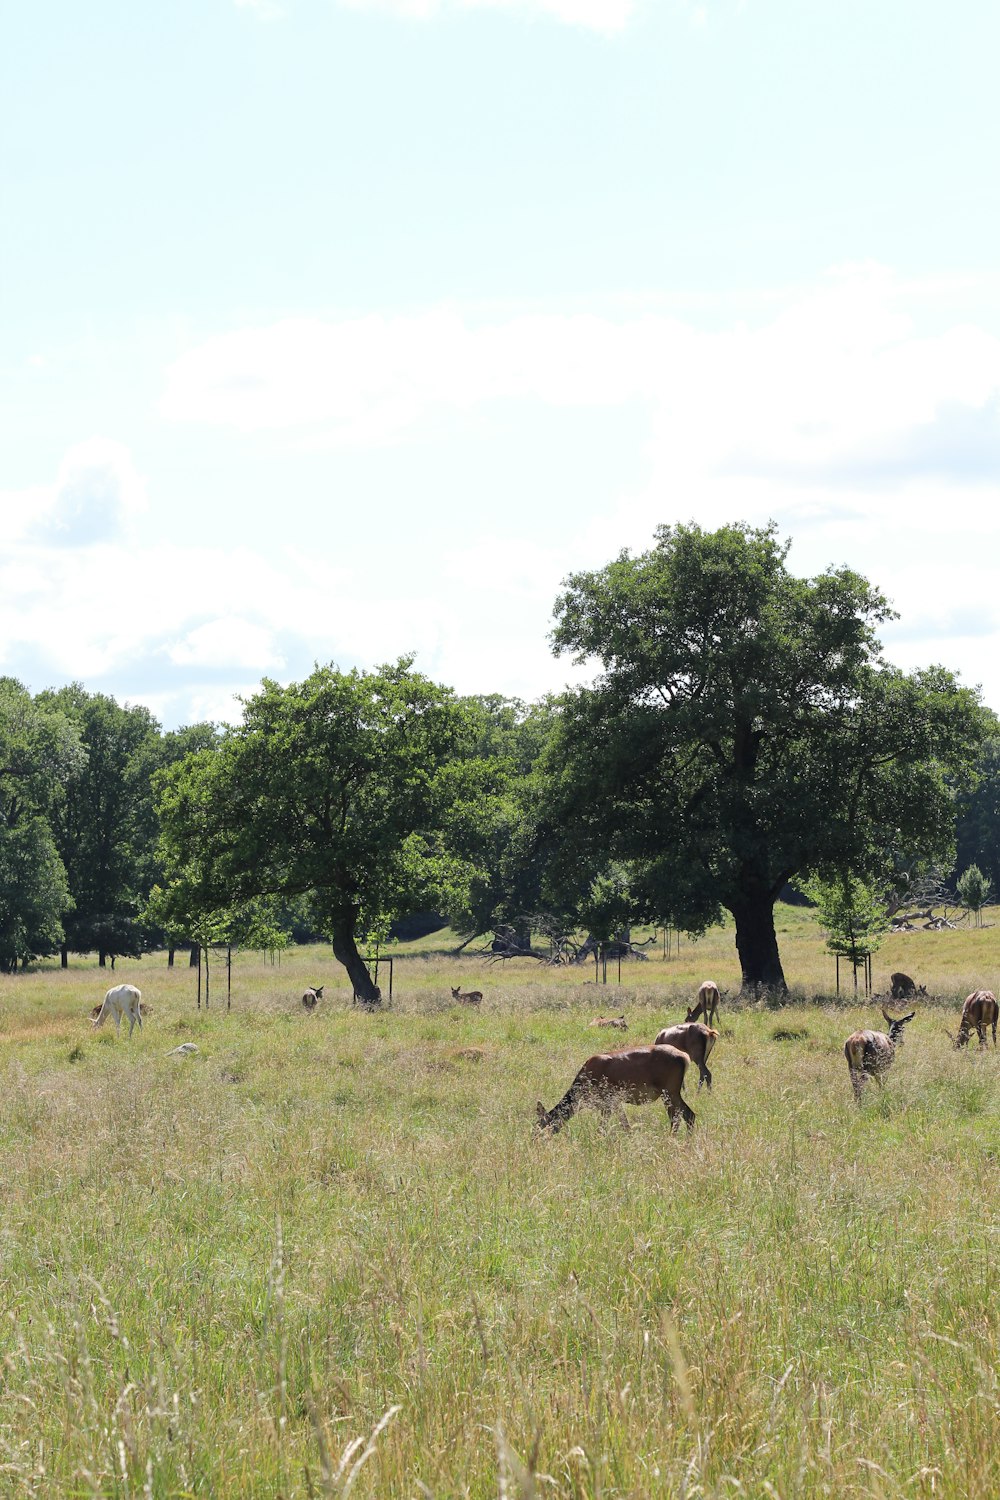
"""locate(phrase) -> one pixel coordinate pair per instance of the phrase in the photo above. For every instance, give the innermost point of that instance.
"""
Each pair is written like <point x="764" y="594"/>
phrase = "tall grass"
<point x="328" y="1254"/>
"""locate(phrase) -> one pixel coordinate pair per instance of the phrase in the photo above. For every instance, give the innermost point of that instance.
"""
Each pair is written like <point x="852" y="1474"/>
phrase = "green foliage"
<point x="744" y="730"/>
<point x="104" y="821"/>
<point x="974" y="891"/>
<point x="608" y="906"/>
<point x="852" y="914"/>
<point x="492" y="826"/>
<point x="978" y="830"/>
<point x="337" y="786"/>
<point x="34" y="893"/>
<point x="40" y="752"/>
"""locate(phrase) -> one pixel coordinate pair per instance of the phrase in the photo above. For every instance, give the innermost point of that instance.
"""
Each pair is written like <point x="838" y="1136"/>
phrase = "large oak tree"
<point x="745" y="729"/>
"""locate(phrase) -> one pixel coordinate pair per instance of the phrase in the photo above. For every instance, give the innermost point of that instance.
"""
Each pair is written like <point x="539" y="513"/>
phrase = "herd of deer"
<point x="610" y="1080"/>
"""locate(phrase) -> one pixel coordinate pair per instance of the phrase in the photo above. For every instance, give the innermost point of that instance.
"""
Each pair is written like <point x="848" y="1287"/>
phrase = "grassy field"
<point x="328" y="1254"/>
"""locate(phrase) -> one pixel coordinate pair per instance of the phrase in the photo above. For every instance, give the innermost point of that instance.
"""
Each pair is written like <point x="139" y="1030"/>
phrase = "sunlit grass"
<point x="218" y="1272"/>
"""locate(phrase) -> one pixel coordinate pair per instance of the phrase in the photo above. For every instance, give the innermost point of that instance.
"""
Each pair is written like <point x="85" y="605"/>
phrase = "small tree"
<point x="974" y="891"/>
<point x="853" y="915"/>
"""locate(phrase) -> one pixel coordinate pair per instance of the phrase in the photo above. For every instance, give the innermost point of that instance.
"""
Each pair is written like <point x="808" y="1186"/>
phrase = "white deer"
<point x="122" y="1000"/>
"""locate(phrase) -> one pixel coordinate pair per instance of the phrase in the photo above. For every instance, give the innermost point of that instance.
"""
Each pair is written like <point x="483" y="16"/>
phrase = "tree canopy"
<point x="40" y="752"/>
<point x="337" y="786"/>
<point x="746" y="729"/>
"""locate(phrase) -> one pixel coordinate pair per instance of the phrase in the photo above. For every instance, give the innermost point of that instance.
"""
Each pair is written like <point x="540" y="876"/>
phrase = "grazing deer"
<point x="694" y="1039"/>
<point x="144" y="1010"/>
<point x="467" y="997"/>
<point x="614" y="1023"/>
<point x="870" y="1053"/>
<point x="309" y="997"/>
<point x="121" y="1000"/>
<point x="707" y="1004"/>
<point x="610" y="1080"/>
<point x="979" y="1011"/>
<point x="905" y="988"/>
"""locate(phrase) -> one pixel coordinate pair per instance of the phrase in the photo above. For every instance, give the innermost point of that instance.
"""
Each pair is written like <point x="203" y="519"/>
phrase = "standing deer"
<point x="707" y="1004"/>
<point x="309" y="997"/>
<point x="467" y="997"/>
<point x="610" y="1080"/>
<point x="694" y="1039"/>
<point x="979" y="1011"/>
<point x="870" y="1053"/>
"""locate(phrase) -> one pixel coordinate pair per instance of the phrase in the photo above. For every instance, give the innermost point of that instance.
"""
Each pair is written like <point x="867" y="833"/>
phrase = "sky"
<point x="333" y="330"/>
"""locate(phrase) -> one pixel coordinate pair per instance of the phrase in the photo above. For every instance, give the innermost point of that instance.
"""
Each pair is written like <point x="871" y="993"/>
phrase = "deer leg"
<point x="623" y="1117"/>
<point x="705" y="1077"/>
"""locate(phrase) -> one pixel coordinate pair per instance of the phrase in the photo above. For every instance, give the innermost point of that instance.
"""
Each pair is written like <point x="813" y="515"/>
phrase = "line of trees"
<point x="741" y="730"/>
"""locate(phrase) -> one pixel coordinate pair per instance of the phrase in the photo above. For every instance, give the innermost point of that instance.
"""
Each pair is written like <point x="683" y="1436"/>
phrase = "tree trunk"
<point x="170" y="958"/>
<point x="345" y="951"/>
<point x="194" y="960"/>
<point x="64" y="957"/>
<point x="102" y="959"/>
<point x="757" y="944"/>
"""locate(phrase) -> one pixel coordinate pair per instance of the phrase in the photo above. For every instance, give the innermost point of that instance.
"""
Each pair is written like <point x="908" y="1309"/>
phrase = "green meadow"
<point x="328" y="1254"/>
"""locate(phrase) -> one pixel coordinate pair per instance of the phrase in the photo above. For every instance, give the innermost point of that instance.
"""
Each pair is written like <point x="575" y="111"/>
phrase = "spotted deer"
<point x="467" y="997"/>
<point x="870" y="1053"/>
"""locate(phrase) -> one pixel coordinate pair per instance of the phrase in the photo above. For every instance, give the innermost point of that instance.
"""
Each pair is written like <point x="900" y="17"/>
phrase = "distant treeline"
<point x="742" y="731"/>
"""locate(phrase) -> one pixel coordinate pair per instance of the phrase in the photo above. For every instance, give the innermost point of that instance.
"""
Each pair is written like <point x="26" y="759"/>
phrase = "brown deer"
<point x="707" y="1004"/>
<point x="614" y="1023"/>
<point x="467" y="997"/>
<point x="309" y="997"/>
<point x="905" y="988"/>
<point x="694" y="1039"/>
<point x="610" y="1080"/>
<point x="870" y="1053"/>
<point x="979" y="1011"/>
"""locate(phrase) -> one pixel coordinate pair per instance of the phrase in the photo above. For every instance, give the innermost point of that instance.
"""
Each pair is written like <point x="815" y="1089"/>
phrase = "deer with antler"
<point x="870" y="1053"/>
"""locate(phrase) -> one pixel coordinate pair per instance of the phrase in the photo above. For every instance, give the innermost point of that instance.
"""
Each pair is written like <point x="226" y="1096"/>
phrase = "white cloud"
<point x="870" y="440"/>
<point x="836" y="378"/>
<point x="228" y="642"/>
<point x="265" y="10"/>
<point x="866" y="427"/>
<point x="96" y="495"/>
<point x="596" y="15"/>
